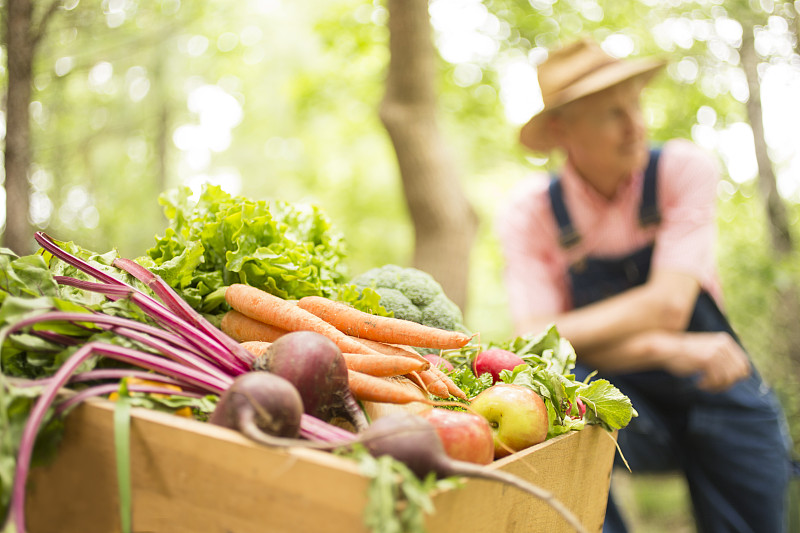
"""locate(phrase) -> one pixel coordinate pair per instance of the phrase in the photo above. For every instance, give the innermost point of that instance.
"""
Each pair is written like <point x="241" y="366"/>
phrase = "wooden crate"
<point x="191" y="477"/>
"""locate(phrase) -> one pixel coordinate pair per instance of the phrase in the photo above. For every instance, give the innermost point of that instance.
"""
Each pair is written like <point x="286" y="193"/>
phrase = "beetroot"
<point x="262" y="406"/>
<point x="315" y="366"/>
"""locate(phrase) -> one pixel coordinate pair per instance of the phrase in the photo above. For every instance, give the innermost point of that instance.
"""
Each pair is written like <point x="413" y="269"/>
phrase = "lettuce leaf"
<point x="215" y="240"/>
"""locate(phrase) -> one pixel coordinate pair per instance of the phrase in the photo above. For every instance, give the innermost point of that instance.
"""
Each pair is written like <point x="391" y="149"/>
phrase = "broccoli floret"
<point x="442" y="313"/>
<point x="412" y="294"/>
<point x="395" y="301"/>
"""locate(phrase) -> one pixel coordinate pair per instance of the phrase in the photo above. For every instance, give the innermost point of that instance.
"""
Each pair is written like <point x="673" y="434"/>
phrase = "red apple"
<point x="516" y="414"/>
<point x="440" y="362"/>
<point x="465" y="436"/>
<point x="494" y="360"/>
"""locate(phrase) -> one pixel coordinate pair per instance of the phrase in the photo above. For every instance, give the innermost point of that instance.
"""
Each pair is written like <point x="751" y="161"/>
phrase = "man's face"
<point x="604" y="134"/>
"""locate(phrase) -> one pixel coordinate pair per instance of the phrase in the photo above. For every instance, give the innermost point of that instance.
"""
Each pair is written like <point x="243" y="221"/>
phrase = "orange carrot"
<point x="414" y="378"/>
<point x="255" y="348"/>
<point x="373" y="389"/>
<point x="270" y="309"/>
<point x="392" y="349"/>
<point x="452" y="388"/>
<point x="434" y="384"/>
<point x="380" y="328"/>
<point x="381" y="365"/>
<point x="242" y="328"/>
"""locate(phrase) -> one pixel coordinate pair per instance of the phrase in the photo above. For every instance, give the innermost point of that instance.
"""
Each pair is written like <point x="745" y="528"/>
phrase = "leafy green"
<point x="468" y="382"/>
<point x="606" y="405"/>
<point x="215" y="240"/>
<point x="15" y="406"/>
<point x="550" y="359"/>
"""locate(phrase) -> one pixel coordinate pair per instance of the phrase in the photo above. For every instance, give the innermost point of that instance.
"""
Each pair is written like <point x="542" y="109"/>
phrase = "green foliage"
<point x="216" y="240"/>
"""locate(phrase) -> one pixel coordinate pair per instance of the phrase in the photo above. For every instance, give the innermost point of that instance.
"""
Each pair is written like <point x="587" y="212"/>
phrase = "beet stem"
<point x="463" y="468"/>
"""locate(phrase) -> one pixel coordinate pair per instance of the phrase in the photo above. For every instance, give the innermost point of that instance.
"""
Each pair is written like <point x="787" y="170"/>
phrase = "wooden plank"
<point x="191" y="477"/>
<point x="575" y="467"/>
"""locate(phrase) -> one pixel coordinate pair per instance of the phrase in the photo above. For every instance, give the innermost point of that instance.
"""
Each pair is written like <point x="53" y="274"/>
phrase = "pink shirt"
<point x="536" y="265"/>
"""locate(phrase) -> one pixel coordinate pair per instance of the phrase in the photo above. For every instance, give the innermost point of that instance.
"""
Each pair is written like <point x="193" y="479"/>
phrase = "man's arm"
<point x="665" y="303"/>
<point x="643" y="329"/>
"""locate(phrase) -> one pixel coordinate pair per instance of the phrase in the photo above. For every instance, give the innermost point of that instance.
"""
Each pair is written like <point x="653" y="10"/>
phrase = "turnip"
<point x="315" y="366"/>
<point x="263" y="407"/>
<point x="414" y="441"/>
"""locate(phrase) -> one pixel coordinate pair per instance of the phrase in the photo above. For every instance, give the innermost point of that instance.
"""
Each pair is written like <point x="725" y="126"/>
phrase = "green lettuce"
<point x="215" y="240"/>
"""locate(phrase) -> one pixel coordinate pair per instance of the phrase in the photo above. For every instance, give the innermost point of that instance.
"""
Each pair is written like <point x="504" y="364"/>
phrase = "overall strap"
<point x="648" y="210"/>
<point x="567" y="235"/>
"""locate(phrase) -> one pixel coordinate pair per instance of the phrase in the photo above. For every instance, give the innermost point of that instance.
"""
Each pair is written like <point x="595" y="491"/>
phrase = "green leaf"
<point x="606" y="405"/>
<point x="214" y="240"/>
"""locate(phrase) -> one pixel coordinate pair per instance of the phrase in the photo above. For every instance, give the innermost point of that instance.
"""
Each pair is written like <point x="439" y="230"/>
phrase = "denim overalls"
<point x="733" y="446"/>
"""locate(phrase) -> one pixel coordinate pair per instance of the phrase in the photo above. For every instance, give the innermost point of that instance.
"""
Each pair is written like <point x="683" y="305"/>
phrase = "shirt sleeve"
<point x="534" y="281"/>
<point x="687" y="188"/>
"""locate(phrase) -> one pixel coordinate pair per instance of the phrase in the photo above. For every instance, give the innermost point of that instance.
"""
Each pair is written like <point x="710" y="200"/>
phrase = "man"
<point x="618" y="251"/>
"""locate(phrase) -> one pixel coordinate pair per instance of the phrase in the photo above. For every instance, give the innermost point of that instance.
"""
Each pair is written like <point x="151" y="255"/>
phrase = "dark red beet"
<point x="315" y="366"/>
<point x="262" y="406"/>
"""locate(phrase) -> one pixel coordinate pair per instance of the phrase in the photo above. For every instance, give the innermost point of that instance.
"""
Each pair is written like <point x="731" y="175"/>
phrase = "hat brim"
<point x="533" y="134"/>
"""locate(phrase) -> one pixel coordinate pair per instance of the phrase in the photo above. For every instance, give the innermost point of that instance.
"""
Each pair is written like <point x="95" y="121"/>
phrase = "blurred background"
<point x="108" y="103"/>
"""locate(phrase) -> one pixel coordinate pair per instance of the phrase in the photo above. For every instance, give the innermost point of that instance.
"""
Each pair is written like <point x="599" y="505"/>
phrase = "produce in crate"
<point x="465" y="436"/>
<point x="415" y="442"/>
<point x="263" y="406"/>
<point x="382" y="329"/>
<point x="516" y="414"/>
<point x="494" y="361"/>
<point x="412" y="294"/>
<point x="439" y="362"/>
<point x="315" y="366"/>
<point x="379" y="365"/>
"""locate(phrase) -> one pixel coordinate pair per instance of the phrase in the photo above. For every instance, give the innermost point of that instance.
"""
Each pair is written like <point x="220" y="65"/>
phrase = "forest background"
<point x="323" y="101"/>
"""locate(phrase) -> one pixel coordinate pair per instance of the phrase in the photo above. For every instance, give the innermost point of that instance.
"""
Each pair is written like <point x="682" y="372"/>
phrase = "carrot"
<point x="255" y="348"/>
<point x="434" y="384"/>
<point x="270" y="309"/>
<point x="452" y="388"/>
<point x="242" y="328"/>
<point x="414" y="378"/>
<point x="392" y="349"/>
<point x="381" y="365"/>
<point x="380" y="328"/>
<point x="386" y="390"/>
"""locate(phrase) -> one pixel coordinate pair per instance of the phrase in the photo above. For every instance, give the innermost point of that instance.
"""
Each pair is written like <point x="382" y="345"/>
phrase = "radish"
<point x="414" y="441"/>
<point x="315" y="366"/>
<point x="262" y="406"/>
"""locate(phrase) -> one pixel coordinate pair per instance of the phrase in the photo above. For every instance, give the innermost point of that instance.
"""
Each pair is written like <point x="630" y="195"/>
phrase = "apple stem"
<point x="463" y="468"/>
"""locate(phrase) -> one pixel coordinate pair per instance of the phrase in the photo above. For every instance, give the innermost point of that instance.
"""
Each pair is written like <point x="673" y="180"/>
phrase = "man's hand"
<point x="715" y="356"/>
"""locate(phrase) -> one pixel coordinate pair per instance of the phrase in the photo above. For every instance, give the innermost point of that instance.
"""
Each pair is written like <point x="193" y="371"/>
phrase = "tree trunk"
<point x="788" y="298"/>
<point x="444" y="222"/>
<point x="22" y="36"/>
<point x="778" y="222"/>
<point x="18" y="233"/>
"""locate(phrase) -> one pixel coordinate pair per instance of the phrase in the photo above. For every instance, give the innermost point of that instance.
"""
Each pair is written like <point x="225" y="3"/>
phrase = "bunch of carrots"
<point x="378" y="350"/>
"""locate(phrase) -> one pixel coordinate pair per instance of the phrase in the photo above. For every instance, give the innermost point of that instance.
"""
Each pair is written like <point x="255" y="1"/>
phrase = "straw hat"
<point x="575" y="71"/>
